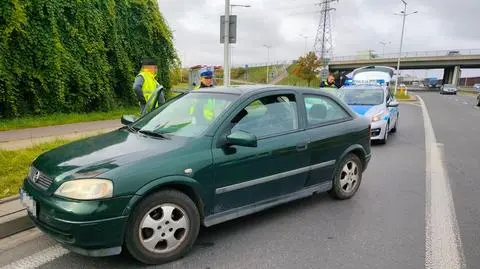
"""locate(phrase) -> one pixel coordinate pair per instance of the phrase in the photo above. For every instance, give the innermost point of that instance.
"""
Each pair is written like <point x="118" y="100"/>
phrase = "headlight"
<point x="86" y="189"/>
<point x="377" y="117"/>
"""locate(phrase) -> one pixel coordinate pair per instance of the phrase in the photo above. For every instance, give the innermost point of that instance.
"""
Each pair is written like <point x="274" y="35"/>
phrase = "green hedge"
<point x="78" y="55"/>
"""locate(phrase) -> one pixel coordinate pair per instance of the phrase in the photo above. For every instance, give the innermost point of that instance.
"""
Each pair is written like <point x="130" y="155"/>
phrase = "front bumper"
<point x="378" y="130"/>
<point x="93" y="228"/>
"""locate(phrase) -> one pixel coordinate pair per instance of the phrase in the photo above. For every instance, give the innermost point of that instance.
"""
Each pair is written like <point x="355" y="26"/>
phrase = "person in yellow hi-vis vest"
<point x="206" y="77"/>
<point x="145" y="83"/>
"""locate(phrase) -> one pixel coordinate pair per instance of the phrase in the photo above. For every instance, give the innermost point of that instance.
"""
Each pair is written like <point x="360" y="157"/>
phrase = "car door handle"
<point x="302" y="146"/>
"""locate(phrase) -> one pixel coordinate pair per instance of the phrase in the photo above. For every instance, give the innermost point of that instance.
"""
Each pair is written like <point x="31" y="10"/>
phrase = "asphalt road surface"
<point x="392" y="222"/>
<point x="456" y="121"/>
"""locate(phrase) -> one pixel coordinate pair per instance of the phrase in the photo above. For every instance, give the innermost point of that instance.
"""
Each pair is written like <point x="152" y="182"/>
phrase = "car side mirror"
<point x="241" y="138"/>
<point x="128" y="119"/>
<point x="393" y="103"/>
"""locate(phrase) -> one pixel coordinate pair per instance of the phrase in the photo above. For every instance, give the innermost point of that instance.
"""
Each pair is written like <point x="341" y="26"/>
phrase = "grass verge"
<point x="14" y="165"/>
<point x="402" y="96"/>
<point x="293" y="80"/>
<point x="61" y="118"/>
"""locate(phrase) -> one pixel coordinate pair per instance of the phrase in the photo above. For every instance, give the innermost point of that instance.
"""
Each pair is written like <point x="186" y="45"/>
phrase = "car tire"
<point x="394" y="129"/>
<point x="347" y="178"/>
<point x="385" y="136"/>
<point x="179" y="230"/>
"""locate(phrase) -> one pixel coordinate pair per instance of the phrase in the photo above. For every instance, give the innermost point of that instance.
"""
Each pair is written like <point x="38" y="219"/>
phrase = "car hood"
<point x="367" y="110"/>
<point x="93" y="156"/>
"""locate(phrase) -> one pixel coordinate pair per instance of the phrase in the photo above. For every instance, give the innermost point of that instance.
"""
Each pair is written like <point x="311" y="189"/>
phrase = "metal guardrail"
<point x="411" y="54"/>
<point x="437" y="53"/>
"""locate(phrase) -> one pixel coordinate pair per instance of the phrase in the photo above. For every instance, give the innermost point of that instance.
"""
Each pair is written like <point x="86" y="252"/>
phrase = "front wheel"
<point x="347" y="178"/>
<point x="394" y="129"/>
<point x="163" y="227"/>
<point x="385" y="137"/>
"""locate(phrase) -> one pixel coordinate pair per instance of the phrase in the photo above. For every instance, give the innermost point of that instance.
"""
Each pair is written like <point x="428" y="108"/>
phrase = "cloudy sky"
<point x="358" y="25"/>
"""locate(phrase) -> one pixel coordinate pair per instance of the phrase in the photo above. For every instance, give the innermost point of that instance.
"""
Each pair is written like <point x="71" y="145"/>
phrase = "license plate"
<point x="28" y="202"/>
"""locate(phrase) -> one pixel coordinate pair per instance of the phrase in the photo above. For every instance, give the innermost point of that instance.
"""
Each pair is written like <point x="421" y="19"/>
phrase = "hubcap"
<point x="349" y="177"/>
<point x="164" y="228"/>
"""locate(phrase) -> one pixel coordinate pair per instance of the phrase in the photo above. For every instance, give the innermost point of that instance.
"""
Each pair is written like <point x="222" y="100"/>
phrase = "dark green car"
<point x="202" y="158"/>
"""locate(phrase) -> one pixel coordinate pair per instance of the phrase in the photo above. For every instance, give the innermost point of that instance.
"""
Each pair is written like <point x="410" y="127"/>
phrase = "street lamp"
<point x="404" y="15"/>
<point x="230" y="45"/>
<point x="383" y="48"/>
<point x="306" y="37"/>
<point x="233" y="5"/>
<point x="226" y="45"/>
<point x="268" y="58"/>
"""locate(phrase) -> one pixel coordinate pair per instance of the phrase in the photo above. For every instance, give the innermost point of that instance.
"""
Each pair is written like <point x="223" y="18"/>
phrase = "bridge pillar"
<point x="448" y="75"/>
<point x="456" y="75"/>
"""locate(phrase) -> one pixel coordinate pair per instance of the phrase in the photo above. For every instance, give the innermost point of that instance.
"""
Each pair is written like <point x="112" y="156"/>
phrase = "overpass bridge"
<point x="452" y="61"/>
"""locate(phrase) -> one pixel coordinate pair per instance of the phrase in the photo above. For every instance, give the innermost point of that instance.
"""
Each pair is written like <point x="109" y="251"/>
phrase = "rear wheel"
<point x="348" y="177"/>
<point x="163" y="227"/>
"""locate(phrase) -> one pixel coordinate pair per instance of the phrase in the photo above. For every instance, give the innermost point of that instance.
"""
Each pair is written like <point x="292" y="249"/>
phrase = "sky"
<point x="357" y="25"/>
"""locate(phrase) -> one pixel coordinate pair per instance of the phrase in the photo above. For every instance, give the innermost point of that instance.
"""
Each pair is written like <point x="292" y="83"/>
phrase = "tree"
<point x="78" y="56"/>
<point x="306" y="67"/>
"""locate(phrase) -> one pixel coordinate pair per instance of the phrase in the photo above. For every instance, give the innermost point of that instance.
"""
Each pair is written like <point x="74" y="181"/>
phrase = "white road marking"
<point x="443" y="247"/>
<point x="38" y="259"/>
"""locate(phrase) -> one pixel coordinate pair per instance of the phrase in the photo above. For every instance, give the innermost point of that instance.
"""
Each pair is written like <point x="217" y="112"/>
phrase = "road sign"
<point x="232" y="31"/>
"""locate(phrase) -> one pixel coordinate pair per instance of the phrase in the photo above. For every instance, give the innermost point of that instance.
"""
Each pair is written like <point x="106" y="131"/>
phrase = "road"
<point x="456" y="121"/>
<point x="383" y="226"/>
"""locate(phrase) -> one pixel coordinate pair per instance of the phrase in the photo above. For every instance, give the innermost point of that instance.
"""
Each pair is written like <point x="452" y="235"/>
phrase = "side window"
<point x="322" y="109"/>
<point x="269" y="115"/>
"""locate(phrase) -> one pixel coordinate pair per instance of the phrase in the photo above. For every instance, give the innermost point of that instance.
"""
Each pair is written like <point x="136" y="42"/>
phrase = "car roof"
<point x="258" y="88"/>
<point x="364" y="87"/>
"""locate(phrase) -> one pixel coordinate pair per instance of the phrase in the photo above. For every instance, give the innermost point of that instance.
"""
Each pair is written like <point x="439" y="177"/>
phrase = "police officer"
<point x="145" y="83"/>
<point x="206" y="79"/>
<point x="208" y="109"/>
<point x="330" y="83"/>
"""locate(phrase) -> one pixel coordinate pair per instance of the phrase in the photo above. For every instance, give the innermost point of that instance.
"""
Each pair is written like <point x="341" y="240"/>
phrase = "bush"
<point x="78" y="56"/>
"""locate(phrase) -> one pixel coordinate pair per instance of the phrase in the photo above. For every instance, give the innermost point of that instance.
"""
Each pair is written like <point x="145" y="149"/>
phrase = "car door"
<point x="392" y="110"/>
<point x="328" y="126"/>
<point x="275" y="167"/>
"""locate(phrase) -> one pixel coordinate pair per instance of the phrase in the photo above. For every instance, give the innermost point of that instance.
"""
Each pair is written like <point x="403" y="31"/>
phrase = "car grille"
<point x="39" y="178"/>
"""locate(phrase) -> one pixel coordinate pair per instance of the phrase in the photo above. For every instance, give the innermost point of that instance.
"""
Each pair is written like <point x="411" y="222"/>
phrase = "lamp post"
<point x="226" y="45"/>
<point x="268" y="58"/>
<point x="404" y="15"/>
<point x="383" y="47"/>
<point x="230" y="45"/>
<point x="306" y="37"/>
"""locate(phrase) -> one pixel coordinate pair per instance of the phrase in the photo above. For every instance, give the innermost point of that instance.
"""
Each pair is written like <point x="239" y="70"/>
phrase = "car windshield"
<point x="187" y="116"/>
<point x="356" y="96"/>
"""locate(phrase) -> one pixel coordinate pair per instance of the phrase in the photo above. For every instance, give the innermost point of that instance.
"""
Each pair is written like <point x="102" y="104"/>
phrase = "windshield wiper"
<point x="154" y="134"/>
<point x="131" y="129"/>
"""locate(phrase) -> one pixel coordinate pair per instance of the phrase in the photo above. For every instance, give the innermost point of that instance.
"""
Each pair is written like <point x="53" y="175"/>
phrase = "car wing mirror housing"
<point x="128" y="119"/>
<point x="241" y="138"/>
<point x="393" y="103"/>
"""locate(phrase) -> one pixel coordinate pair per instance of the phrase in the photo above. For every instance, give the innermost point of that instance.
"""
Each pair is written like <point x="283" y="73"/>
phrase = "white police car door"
<point x="392" y="110"/>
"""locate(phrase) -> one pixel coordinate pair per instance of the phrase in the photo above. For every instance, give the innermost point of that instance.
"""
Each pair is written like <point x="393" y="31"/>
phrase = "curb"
<point x="9" y="199"/>
<point x="14" y="220"/>
<point x="16" y="225"/>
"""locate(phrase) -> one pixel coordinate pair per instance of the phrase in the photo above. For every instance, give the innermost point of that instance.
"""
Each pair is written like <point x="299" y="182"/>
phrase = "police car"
<point x="377" y="104"/>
